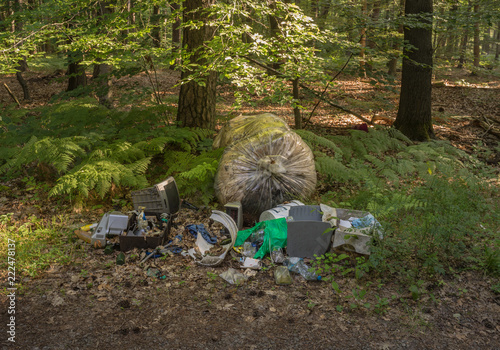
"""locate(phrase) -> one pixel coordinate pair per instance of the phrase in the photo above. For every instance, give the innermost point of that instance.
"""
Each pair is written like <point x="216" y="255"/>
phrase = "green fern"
<point x="313" y="140"/>
<point x="99" y="176"/>
<point x="59" y="153"/>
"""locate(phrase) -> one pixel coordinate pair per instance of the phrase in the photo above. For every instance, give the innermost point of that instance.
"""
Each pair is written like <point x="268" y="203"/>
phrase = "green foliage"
<point x="429" y="197"/>
<point x="195" y="174"/>
<point x="92" y="149"/>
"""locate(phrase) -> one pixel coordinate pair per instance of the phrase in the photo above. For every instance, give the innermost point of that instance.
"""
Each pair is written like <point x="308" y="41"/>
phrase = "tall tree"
<point x="477" y="51"/>
<point x="414" y="113"/>
<point x="22" y="64"/>
<point x="497" y="51"/>
<point x="102" y="71"/>
<point x="197" y="96"/>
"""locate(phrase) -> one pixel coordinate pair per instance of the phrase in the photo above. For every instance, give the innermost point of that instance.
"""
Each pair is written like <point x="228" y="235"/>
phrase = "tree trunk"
<point x="374" y="18"/>
<point x="22" y="67"/>
<point x="296" y="110"/>
<point x="463" y="45"/>
<point x="393" y="62"/>
<point x="22" y="64"/>
<point x="414" y="113"/>
<point x="362" y="40"/>
<point x="497" y="52"/>
<point x="197" y="101"/>
<point x="102" y="72"/>
<point x="451" y="39"/>
<point x="76" y="72"/>
<point x="274" y="26"/>
<point x="487" y="41"/>
<point x="155" y="32"/>
<point x="176" y="33"/>
<point x="320" y="12"/>
<point x="477" y="51"/>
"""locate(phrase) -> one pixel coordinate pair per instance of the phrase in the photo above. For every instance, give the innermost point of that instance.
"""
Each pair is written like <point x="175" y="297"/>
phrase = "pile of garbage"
<point x="278" y="239"/>
<point x="264" y="164"/>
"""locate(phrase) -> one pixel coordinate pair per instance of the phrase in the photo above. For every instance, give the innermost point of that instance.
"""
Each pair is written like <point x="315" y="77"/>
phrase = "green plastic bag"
<point x="275" y="234"/>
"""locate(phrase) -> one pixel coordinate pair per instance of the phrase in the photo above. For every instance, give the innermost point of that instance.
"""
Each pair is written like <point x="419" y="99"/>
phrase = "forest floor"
<point x="91" y="302"/>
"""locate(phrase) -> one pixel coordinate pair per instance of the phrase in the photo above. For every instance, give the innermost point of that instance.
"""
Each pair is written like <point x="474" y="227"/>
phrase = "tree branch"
<point x="326" y="88"/>
<point x="311" y="91"/>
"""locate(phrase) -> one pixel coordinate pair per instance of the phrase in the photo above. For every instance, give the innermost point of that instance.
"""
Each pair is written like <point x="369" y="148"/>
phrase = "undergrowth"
<point x="91" y="149"/>
<point x="35" y="244"/>
<point x="436" y="204"/>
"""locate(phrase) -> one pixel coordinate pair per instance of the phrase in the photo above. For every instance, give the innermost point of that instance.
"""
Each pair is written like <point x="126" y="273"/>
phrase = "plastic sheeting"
<point x="264" y="165"/>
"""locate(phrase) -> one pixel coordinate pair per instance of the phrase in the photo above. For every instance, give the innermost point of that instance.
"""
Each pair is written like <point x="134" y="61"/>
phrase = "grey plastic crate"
<point x="161" y="198"/>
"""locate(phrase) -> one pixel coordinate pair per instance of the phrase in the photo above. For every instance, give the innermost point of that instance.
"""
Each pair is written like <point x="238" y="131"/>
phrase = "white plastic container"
<point x="281" y="211"/>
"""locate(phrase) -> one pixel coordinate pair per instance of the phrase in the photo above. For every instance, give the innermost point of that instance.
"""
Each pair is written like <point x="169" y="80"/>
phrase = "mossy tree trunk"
<point x="414" y="114"/>
<point x="197" y="98"/>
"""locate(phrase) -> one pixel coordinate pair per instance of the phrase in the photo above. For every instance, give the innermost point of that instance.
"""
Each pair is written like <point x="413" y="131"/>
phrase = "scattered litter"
<point x="275" y="235"/>
<point x="347" y="236"/>
<point x="277" y="255"/>
<point x="120" y="259"/>
<point x="282" y="275"/>
<point x="362" y="127"/>
<point x="153" y="272"/>
<point x="298" y="265"/>
<point x="230" y="225"/>
<point x="249" y="249"/>
<point x="250" y="272"/>
<point x="249" y="263"/>
<point x="280" y="211"/>
<point x="195" y="229"/>
<point x="232" y="276"/>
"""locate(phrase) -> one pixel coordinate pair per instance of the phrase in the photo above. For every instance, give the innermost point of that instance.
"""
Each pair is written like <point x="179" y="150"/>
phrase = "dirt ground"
<point x="95" y="303"/>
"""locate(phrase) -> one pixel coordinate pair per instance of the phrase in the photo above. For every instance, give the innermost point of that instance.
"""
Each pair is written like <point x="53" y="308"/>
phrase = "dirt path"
<point x="121" y="308"/>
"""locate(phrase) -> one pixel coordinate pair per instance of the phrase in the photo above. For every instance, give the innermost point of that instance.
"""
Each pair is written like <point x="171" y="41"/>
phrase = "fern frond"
<point x="99" y="176"/>
<point x="59" y="153"/>
<point x="154" y="146"/>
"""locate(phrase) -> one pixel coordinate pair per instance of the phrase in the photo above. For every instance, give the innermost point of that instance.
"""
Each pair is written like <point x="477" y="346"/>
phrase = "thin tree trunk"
<point x="463" y="43"/>
<point x="155" y="32"/>
<point x="414" y="113"/>
<point x="463" y="49"/>
<point x="497" y="52"/>
<point x="393" y="63"/>
<point x="22" y="67"/>
<point x="176" y="32"/>
<point x="274" y="26"/>
<point x="477" y="51"/>
<point x="22" y="64"/>
<point x="362" y="41"/>
<point x="102" y="72"/>
<point x="487" y="41"/>
<point x="76" y="71"/>
<point x="296" y="110"/>
<point x="452" y="37"/>
<point x="374" y="18"/>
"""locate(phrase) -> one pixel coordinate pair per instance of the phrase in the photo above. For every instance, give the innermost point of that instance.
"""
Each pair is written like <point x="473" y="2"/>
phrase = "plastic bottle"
<point x="299" y="266"/>
<point x="257" y="237"/>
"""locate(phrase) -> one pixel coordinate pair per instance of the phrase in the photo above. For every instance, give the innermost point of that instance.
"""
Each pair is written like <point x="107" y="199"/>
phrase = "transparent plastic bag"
<point x="282" y="275"/>
<point x="268" y="165"/>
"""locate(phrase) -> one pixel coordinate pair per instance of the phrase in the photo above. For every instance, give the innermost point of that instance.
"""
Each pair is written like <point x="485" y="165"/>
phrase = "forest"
<point x="398" y="101"/>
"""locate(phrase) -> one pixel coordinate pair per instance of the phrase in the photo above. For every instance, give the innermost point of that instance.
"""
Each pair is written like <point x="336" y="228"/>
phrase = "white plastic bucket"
<point x="281" y="211"/>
